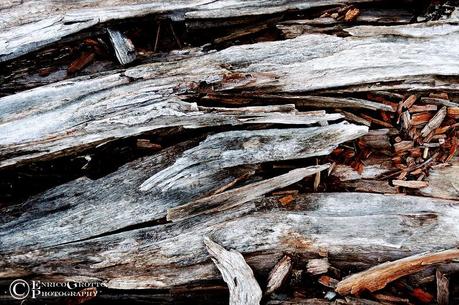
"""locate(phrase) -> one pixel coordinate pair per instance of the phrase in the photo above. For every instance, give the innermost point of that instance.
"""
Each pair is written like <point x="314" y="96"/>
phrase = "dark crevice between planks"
<point x="90" y="51"/>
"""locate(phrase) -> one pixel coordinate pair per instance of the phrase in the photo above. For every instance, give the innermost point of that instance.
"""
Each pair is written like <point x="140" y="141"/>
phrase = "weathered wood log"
<point x="237" y="196"/>
<point x="353" y="228"/>
<point x="443" y="182"/>
<point x="149" y="224"/>
<point x="28" y="25"/>
<point x="200" y="171"/>
<point x="87" y="111"/>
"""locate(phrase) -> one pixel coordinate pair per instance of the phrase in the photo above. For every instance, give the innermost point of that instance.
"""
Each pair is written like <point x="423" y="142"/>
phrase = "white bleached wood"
<point x="178" y="179"/>
<point x="351" y="227"/>
<point x="234" y="197"/>
<point x="243" y="287"/>
<point x="234" y="148"/>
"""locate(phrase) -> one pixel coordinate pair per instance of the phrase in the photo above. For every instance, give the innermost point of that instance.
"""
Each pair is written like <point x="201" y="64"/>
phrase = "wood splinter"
<point x="378" y="277"/>
<point x="123" y="46"/>
<point x="278" y="274"/>
<point x="243" y="287"/>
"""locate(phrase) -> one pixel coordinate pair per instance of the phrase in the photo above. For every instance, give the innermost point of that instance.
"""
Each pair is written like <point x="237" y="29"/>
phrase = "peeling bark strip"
<point x="171" y="180"/>
<point x="235" y="197"/>
<point x="379" y="276"/>
<point x="351" y="227"/>
<point x="27" y="26"/>
<point x="243" y="286"/>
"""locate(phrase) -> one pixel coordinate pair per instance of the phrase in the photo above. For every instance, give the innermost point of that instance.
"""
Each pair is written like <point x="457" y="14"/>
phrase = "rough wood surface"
<point x="442" y="288"/>
<point x="379" y="276"/>
<point x="243" y="287"/>
<point x="350" y="227"/>
<point x="87" y="111"/>
<point x="195" y="173"/>
<point x="237" y="196"/>
<point x="124" y="49"/>
<point x="28" y="25"/>
<point x="443" y="182"/>
<point x="278" y="274"/>
<point x="245" y="76"/>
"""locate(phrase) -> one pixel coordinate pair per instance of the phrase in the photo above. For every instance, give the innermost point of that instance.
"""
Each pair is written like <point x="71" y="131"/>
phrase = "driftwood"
<point x="229" y="123"/>
<point x="167" y="255"/>
<point x="200" y="171"/>
<point x="443" y="182"/>
<point x="85" y="112"/>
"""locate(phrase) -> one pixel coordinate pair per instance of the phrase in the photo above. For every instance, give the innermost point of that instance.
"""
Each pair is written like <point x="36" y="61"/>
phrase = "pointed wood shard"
<point x="232" y="198"/>
<point x="243" y="286"/>
<point x="442" y="288"/>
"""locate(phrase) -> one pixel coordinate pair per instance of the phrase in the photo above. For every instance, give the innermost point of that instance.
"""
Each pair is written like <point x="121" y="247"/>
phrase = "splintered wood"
<point x="317" y="140"/>
<point x="278" y="274"/>
<point x="379" y="276"/>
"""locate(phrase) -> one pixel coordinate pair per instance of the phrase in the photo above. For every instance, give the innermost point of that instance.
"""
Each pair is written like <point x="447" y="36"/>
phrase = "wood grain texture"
<point x="228" y="149"/>
<point x="172" y="180"/>
<point x="278" y="274"/>
<point x="443" y="182"/>
<point x="26" y="26"/>
<point x="79" y="113"/>
<point x="238" y="196"/>
<point x="124" y="49"/>
<point x="379" y="276"/>
<point x="351" y="227"/>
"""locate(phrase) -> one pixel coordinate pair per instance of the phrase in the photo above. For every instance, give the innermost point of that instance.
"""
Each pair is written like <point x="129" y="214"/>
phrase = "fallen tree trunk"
<point x="350" y="228"/>
<point x="85" y="112"/>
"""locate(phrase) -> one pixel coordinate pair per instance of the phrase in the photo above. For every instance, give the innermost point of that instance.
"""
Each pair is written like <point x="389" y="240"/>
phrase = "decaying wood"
<point x="243" y="286"/>
<point x="152" y="223"/>
<point x="237" y="196"/>
<point x="442" y="288"/>
<point x="318" y="266"/>
<point x="87" y="111"/>
<point x="410" y="184"/>
<point x="201" y="170"/>
<point x="27" y="26"/>
<point x="379" y="276"/>
<point x="124" y="49"/>
<point x="435" y="122"/>
<point x="219" y="151"/>
<point x="278" y="274"/>
<point x="350" y="227"/>
<point x="443" y="182"/>
<point x="336" y="102"/>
